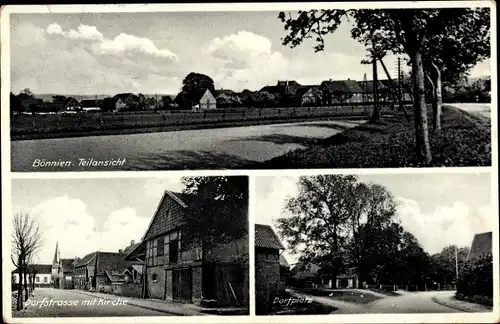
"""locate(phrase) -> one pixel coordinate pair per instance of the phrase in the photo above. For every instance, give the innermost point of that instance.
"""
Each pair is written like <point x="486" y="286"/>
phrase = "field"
<point x="92" y="123"/>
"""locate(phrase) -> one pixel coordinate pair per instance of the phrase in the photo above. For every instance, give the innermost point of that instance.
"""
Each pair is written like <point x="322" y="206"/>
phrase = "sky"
<point x="87" y="215"/>
<point x="439" y="209"/>
<point x="108" y="53"/>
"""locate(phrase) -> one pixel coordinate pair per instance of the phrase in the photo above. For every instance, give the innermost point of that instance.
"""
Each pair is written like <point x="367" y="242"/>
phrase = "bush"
<point x="475" y="281"/>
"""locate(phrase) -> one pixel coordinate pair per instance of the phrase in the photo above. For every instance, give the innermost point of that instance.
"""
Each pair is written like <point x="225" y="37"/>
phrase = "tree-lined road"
<point x="190" y="149"/>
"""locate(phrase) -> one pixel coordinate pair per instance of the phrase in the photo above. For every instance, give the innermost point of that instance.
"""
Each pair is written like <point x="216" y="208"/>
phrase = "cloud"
<point x="83" y="32"/>
<point x="120" y="44"/>
<point x="244" y="60"/>
<point x="51" y="60"/>
<point x="445" y="225"/>
<point x="67" y="221"/>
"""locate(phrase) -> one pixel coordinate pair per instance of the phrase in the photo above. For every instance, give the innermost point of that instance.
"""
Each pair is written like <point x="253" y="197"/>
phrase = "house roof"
<point x="85" y="260"/>
<point x="69" y="100"/>
<point x="111" y="261"/>
<point x="67" y="264"/>
<point x="368" y="86"/>
<point x="26" y="103"/>
<point x="178" y="197"/>
<point x="265" y="237"/>
<point x="193" y="96"/>
<point x="40" y="268"/>
<point x="342" y="86"/>
<point x="124" y="96"/>
<point x="114" y="277"/>
<point x="303" y="270"/>
<point x="482" y="244"/>
<point x="302" y="90"/>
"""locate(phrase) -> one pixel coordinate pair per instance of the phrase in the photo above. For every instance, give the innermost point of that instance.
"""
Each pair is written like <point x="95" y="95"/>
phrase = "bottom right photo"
<point x="374" y="243"/>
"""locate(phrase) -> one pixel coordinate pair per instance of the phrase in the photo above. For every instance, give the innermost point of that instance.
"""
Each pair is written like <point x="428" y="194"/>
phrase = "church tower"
<point x="56" y="267"/>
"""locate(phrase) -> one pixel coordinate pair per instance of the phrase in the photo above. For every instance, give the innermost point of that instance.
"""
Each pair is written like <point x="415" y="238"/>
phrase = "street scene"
<point x="280" y="94"/>
<point x="368" y="244"/>
<point x="174" y="246"/>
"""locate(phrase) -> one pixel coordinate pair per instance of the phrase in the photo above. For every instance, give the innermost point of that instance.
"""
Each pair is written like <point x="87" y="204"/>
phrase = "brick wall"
<point x="267" y="279"/>
<point x="197" y="284"/>
<point x="156" y="289"/>
<point x="131" y="290"/>
<point x="169" y="285"/>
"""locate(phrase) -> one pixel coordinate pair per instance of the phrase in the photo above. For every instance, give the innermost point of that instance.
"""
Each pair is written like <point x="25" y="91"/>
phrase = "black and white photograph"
<point x="171" y="246"/>
<point x="297" y="88"/>
<point x="372" y="244"/>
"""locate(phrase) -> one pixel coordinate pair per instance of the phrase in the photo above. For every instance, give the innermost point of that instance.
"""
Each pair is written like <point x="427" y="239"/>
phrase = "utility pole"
<point x="376" y="111"/>
<point x="399" y="76"/>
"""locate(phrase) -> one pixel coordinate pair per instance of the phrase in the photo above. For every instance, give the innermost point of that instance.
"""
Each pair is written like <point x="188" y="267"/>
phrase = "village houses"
<point x="178" y="268"/>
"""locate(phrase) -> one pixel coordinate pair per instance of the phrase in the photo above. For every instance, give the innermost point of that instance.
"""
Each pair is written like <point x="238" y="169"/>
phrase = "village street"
<point x="405" y="302"/>
<point x="82" y="305"/>
<point x="193" y="149"/>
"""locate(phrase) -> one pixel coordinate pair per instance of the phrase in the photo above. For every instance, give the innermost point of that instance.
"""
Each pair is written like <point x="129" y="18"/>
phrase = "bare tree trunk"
<point x="26" y="288"/>
<point x="20" y="299"/>
<point x="423" y="148"/>
<point x="437" y="108"/>
<point x="376" y="108"/>
<point x="434" y="101"/>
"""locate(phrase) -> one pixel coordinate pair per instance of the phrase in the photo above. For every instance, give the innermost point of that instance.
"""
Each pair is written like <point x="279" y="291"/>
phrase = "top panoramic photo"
<point x="199" y="89"/>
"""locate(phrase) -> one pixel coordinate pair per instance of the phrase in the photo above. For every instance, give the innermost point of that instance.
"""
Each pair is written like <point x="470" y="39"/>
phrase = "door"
<point x="182" y="288"/>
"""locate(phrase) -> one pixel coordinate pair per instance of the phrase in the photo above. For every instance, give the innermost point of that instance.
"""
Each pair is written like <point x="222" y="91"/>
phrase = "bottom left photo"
<point x="172" y="246"/>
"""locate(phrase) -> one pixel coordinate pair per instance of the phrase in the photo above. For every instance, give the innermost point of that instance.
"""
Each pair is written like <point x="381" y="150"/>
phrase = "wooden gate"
<point x="182" y="288"/>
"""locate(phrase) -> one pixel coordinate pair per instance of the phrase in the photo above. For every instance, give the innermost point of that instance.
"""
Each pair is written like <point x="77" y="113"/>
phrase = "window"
<point x="155" y="277"/>
<point x="161" y="247"/>
<point x="173" y="251"/>
<point x="45" y="279"/>
<point x="37" y="279"/>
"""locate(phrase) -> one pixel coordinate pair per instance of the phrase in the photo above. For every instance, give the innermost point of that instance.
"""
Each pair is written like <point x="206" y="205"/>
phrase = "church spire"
<point x="56" y="254"/>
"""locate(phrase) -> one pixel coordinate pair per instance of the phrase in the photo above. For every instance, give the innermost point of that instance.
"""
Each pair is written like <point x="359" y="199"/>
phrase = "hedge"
<point x="475" y="281"/>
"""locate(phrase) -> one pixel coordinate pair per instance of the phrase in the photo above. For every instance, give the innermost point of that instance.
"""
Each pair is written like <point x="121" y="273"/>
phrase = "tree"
<point x="26" y="242"/>
<point x="228" y="101"/>
<point x="218" y="208"/>
<point x="26" y="94"/>
<point x="334" y="221"/>
<point x="58" y="99"/>
<point x="444" y="264"/>
<point x="141" y="102"/>
<point x="166" y="102"/>
<point x="15" y="104"/>
<point x="264" y="99"/>
<point x="107" y="104"/>
<point x="449" y="55"/>
<point x="197" y="82"/>
<point x="382" y="30"/>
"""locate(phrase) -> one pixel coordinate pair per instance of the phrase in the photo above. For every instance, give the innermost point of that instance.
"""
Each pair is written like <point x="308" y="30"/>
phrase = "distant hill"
<point x="47" y="97"/>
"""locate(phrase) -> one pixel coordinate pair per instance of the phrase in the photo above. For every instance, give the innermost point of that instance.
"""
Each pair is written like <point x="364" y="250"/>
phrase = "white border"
<point x="380" y="318"/>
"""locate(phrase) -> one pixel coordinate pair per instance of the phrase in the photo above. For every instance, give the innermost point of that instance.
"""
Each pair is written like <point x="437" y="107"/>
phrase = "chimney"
<point x="120" y="251"/>
<point x="132" y="242"/>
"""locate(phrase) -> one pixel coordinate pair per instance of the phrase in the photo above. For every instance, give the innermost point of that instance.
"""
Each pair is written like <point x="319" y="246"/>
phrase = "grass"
<point x="465" y="140"/>
<point x="342" y="295"/>
<point x="384" y="291"/>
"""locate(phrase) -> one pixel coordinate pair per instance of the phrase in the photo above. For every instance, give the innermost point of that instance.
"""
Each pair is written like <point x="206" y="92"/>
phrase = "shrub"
<point x="475" y="281"/>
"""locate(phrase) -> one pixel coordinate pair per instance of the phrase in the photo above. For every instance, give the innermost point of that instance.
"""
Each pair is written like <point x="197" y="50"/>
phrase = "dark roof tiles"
<point x="265" y="237"/>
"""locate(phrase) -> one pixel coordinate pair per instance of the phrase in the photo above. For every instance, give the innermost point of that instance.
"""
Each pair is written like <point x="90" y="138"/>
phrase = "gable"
<point x="207" y="96"/>
<point x="167" y="217"/>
